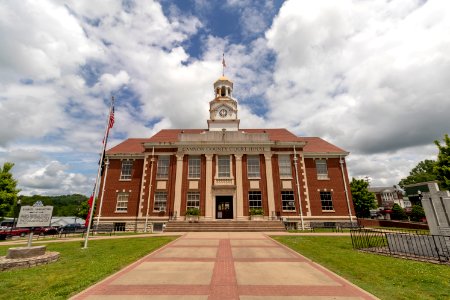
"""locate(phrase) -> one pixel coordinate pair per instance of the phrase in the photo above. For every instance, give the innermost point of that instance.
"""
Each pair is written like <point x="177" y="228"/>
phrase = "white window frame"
<point x="193" y="200"/>
<point x="284" y="165"/>
<point x="254" y="199"/>
<point x="288" y="201"/>
<point x="162" y="171"/>
<point x="194" y="164"/>
<point x="126" y="170"/>
<point x="160" y="202"/>
<point x="253" y="166"/>
<point x="326" y="201"/>
<point x="122" y="202"/>
<point x="322" y="169"/>
<point x="224" y="170"/>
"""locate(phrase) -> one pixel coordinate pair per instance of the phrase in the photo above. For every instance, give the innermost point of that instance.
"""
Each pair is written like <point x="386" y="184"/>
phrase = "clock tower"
<point x="223" y="109"/>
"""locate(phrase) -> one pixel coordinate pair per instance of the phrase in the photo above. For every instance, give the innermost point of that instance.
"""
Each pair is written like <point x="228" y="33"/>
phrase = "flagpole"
<point x="97" y="186"/>
<point x="103" y="192"/>
<point x="223" y="64"/>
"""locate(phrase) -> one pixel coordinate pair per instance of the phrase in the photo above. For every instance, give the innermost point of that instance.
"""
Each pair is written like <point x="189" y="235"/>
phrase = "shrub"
<point x="192" y="211"/>
<point x="398" y="213"/>
<point x="256" y="211"/>
<point x="417" y="213"/>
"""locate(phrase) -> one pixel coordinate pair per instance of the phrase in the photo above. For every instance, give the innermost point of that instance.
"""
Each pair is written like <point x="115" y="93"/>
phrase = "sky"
<point x="372" y="77"/>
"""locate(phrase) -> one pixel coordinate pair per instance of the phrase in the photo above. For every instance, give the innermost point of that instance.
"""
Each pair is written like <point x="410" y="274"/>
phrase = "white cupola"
<point x="223" y="109"/>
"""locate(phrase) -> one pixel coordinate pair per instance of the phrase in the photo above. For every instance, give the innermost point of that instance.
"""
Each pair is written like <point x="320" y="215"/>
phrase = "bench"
<point x="103" y="228"/>
<point x="347" y="225"/>
<point x="323" y="225"/>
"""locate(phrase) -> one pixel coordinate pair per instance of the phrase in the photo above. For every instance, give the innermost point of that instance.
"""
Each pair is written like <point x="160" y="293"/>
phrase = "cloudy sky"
<point x="372" y="77"/>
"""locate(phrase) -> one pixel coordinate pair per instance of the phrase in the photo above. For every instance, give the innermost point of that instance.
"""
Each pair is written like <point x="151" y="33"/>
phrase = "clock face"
<point x="223" y="112"/>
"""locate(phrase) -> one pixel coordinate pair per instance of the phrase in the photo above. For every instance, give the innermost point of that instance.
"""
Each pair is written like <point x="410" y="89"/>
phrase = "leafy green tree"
<point x="63" y="206"/>
<point x="424" y="171"/>
<point x="417" y="213"/>
<point x="442" y="166"/>
<point x="363" y="200"/>
<point x="398" y="213"/>
<point x="8" y="190"/>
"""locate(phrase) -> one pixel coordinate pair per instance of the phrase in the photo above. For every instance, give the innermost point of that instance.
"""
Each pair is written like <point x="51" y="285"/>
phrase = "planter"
<point x="257" y="217"/>
<point x="191" y="218"/>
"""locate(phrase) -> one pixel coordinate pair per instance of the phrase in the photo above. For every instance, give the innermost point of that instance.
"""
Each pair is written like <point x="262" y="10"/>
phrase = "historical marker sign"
<point x="35" y="216"/>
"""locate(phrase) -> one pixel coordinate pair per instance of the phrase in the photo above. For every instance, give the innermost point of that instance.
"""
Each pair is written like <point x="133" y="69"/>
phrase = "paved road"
<point x="246" y="266"/>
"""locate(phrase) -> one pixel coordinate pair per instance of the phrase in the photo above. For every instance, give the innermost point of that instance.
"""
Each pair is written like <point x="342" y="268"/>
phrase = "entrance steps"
<point x="224" y="226"/>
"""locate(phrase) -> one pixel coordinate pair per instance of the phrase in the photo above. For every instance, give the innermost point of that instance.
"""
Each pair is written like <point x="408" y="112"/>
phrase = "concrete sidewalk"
<point x="222" y="265"/>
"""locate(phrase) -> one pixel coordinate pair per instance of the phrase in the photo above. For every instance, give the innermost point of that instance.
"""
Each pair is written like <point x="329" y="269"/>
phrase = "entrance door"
<point x="224" y="207"/>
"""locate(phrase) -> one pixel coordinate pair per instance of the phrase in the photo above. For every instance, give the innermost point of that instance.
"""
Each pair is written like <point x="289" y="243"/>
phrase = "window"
<point x="160" y="201"/>
<point x="327" y="202"/>
<point x="193" y="200"/>
<point x="287" y="199"/>
<point x="163" y="167"/>
<point x="322" y="171"/>
<point x="254" y="199"/>
<point x="194" y="167"/>
<point x="125" y="174"/>
<point x="253" y="166"/>
<point x="284" y="165"/>
<point x="122" y="202"/>
<point x="224" y="166"/>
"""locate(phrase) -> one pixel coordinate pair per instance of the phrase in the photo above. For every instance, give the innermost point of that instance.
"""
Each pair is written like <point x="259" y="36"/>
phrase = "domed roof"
<point x="223" y="78"/>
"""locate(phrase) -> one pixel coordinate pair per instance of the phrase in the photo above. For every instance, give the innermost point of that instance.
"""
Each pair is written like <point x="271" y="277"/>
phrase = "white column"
<point x="269" y="178"/>
<point x="143" y="182"/>
<point x="239" y="190"/>
<point x="178" y="185"/>
<point x="208" y="195"/>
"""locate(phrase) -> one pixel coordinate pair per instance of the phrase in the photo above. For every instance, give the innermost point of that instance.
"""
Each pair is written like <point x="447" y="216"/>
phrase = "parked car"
<point x="9" y="232"/>
<point x="74" y="227"/>
<point x="45" y="230"/>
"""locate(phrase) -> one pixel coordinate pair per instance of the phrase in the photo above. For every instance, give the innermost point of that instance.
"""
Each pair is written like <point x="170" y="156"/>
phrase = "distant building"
<point x="224" y="171"/>
<point x="62" y="221"/>
<point x="388" y="196"/>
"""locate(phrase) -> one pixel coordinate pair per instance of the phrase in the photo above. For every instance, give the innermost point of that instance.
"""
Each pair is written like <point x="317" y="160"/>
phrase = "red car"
<point x="13" y="232"/>
<point x="45" y="230"/>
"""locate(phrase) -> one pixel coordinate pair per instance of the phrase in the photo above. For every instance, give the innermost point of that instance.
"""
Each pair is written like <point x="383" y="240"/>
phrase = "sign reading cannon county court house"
<point x="35" y="216"/>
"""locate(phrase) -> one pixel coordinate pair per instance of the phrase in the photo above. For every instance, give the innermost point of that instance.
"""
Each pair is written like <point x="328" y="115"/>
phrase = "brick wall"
<point x="334" y="184"/>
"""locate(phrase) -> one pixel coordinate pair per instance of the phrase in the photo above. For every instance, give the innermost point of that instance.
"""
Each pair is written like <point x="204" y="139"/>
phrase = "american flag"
<point x="223" y="60"/>
<point x="111" y="118"/>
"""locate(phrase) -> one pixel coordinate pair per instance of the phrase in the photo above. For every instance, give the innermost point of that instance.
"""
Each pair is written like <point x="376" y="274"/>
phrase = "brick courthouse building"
<point x="224" y="171"/>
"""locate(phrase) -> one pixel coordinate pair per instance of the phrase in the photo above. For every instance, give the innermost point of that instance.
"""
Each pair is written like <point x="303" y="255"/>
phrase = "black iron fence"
<point x="415" y="245"/>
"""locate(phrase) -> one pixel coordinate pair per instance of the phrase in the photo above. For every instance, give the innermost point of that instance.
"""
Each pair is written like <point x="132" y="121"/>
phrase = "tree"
<point x="363" y="200"/>
<point x="424" y="171"/>
<point x="417" y="213"/>
<point x="8" y="190"/>
<point x="442" y="166"/>
<point x="398" y="213"/>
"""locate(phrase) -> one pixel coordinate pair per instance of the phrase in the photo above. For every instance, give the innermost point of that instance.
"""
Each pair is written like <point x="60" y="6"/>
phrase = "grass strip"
<point x="384" y="277"/>
<point x="76" y="269"/>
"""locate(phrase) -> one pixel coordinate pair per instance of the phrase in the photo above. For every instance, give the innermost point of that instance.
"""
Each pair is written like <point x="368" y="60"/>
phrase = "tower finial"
<point x="223" y="64"/>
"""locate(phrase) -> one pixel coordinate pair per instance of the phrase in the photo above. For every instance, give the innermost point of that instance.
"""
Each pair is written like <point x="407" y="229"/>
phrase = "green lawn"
<point x="76" y="269"/>
<point x="385" y="277"/>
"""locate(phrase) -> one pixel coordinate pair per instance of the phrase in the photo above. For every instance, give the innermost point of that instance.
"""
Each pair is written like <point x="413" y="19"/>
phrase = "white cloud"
<point x="53" y="179"/>
<point x="369" y="76"/>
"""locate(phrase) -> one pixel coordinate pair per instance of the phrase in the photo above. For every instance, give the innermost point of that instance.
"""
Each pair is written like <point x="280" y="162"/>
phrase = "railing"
<point x="223" y="181"/>
<point x="404" y="244"/>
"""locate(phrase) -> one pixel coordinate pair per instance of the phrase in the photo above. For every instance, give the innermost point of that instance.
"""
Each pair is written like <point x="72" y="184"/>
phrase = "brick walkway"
<point x="246" y="266"/>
